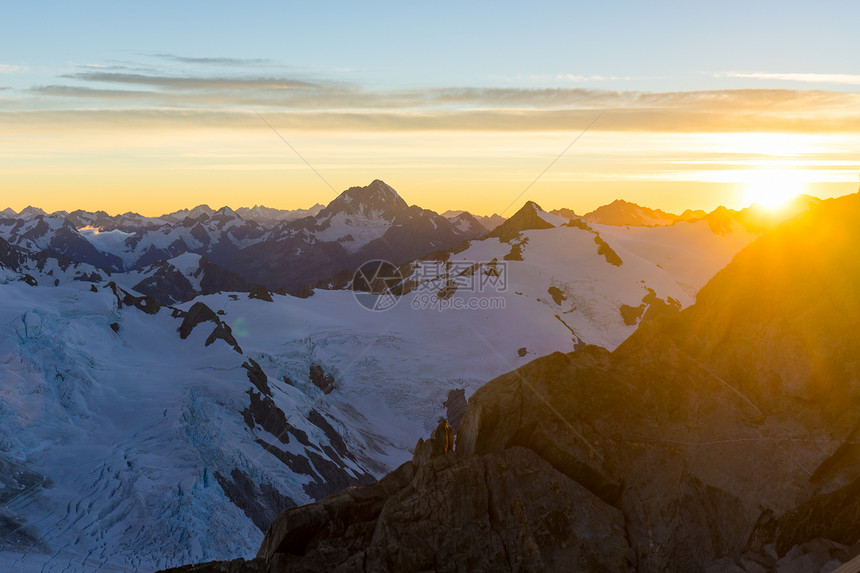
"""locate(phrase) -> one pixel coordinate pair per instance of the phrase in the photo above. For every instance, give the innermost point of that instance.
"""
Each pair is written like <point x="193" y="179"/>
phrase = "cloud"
<point x="90" y="93"/>
<point x="142" y="99"/>
<point x="844" y="79"/>
<point x="10" y="69"/>
<point x="472" y="120"/>
<point x="222" y="61"/>
<point x="190" y="82"/>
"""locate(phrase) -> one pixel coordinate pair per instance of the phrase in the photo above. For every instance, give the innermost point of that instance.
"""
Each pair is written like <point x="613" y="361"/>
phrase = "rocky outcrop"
<point x="200" y="313"/>
<point x="147" y="304"/>
<point x="321" y="379"/>
<point x="260" y="292"/>
<point x="197" y="314"/>
<point x="527" y="218"/>
<point x="520" y="515"/>
<point x="455" y="407"/>
<point x="166" y="284"/>
<point x="9" y="256"/>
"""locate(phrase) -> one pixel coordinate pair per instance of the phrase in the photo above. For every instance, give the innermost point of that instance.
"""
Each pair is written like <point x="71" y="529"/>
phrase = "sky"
<point x="152" y="107"/>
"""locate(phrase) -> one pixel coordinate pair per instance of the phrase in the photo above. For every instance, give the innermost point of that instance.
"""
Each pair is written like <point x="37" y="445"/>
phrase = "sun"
<point x="772" y="189"/>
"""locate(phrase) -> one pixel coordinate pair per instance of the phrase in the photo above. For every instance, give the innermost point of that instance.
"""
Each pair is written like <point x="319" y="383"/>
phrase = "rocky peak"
<point x="376" y="200"/>
<point x="226" y="212"/>
<point x="30" y="212"/>
<point x="530" y="216"/>
<point x="621" y="213"/>
<point x="466" y="224"/>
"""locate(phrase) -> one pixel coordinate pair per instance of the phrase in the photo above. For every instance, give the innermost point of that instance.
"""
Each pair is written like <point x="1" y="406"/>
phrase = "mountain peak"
<point x="626" y="213"/>
<point x="375" y="200"/>
<point x="30" y="212"/>
<point x="530" y="216"/>
<point x="226" y="212"/>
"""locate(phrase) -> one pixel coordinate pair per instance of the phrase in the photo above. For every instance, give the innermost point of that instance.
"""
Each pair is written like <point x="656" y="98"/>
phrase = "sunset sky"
<point x="154" y="106"/>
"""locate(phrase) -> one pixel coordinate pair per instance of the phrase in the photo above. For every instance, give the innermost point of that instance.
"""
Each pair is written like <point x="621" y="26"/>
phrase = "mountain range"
<point x="187" y="406"/>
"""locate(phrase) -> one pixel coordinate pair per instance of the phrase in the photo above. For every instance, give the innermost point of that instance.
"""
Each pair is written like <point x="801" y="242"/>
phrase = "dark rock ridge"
<point x="200" y="313"/>
<point x="167" y="283"/>
<point x="325" y="465"/>
<point x="722" y="437"/>
<point x="527" y="218"/>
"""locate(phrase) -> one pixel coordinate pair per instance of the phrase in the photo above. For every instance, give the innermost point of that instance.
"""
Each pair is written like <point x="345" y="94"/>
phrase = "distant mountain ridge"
<point x="290" y="250"/>
<point x="489" y="222"/>
<point x="283" y="250"/>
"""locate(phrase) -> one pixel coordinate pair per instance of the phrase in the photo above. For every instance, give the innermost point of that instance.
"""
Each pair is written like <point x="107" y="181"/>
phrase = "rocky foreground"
<point x="725" y="437"/>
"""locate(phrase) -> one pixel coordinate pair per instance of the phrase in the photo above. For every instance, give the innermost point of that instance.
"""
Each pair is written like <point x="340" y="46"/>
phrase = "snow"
<point x="362" y="228"/>
<point x="553" y="220"/>
<point x="131" y="426"/>
<point x="188" y="264"/>
<point x="106" y="241"/>
<point x="690" y="252"/>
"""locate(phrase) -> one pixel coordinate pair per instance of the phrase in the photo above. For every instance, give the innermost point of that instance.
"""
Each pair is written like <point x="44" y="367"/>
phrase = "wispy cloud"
<point x="219" y="61"/>
<point x="475" y="120"/>
<point x="10" y="69"/>
<point x="564" y="77"/>
<point x="142" y="99"/>
<point x="190" y="82"/>
<point x="844" y="79"/>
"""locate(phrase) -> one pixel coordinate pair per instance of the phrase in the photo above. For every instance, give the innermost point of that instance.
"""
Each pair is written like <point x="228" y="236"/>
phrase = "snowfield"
<point x="142" y="437"/>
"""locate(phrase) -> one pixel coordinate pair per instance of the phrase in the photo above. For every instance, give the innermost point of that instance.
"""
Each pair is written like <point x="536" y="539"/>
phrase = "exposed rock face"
<point x="528" y="217"/>
<point x="166" y="284"/>
<point x="321" y="379"/>
<point x="200" y="313"/>
<point x="146" y="303"/>
<point x="9" y="257"/>
<point x="260" y="502"/>
<point x="455" y="407"/>
<point x="522" y="515"/>
<point x="197" y="314"/>
<point x="261" y="293"/>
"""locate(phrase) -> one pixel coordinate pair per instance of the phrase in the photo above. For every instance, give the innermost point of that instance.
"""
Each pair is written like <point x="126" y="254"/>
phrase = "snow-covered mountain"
<point x="45" y="268"/>
<point x="489" y="222"/>
<point x="564" y="213"/>
<point x="137" y="436"/>
<point x="361" y="224"/>
<point x="269" y="217"/>
<point x="59" y="236"/>
<point x="287" y="250"/>
<point x="621" y="212"/>
<point x="182" y="278"/>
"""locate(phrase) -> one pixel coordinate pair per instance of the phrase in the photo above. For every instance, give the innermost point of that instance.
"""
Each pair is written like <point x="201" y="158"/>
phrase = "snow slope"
<point x="142" y="438"/>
